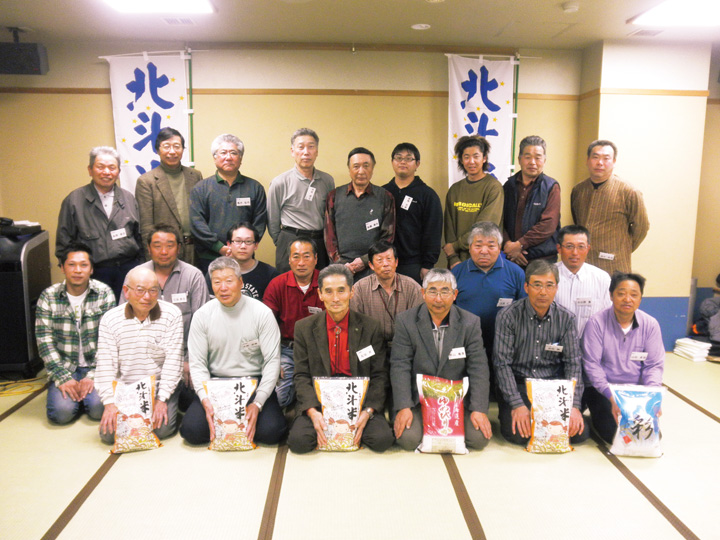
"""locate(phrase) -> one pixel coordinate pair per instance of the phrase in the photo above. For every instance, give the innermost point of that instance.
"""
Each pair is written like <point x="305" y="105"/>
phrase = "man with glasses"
<point x="357" y="215"/>
<point x="138" y="339"/>
<point x="418" y="213"/>
<point x="163" y="193"/>
<point x="439" y="339"/>
<point x="583" y="288"/>
<point x="536" y="338"/>
<point x="223" y="199"/>
<point x="296" y="200"/>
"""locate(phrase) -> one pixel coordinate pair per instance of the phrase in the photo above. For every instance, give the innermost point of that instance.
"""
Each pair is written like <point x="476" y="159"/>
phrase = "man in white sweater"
<point x="234" y="336"/>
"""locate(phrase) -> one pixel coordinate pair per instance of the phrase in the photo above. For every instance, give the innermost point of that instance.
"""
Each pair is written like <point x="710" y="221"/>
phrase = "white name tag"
<point x="313" y="310"/>
<point x="365" y="353"/>
<point x="310" y="194"/>
<point x="553" y="347"/>
<point x="607" y="256"/>
<point x="179" y="298"/>
<point x="502" y="302"/>
<point x="457" y="352"/>
<point x="583" y="301"/>
<point x="638" y="356"/>
<point x="117" y="234"/>
<point x="250" y="344"/>
<point x="374" y="224"/>
<point x="407" y="201"/>
<point x="242" y="201"/>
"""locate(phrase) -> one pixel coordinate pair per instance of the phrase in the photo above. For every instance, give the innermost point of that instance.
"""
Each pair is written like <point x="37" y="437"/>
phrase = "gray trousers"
<point x="410" y="438"/>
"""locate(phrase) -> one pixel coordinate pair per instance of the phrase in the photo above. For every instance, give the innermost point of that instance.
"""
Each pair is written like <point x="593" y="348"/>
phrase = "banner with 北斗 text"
<point x="480" y="102"/>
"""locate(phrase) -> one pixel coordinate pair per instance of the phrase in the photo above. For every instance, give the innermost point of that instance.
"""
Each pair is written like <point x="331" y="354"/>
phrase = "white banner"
<point x="148" y="94"/>
<point x="480" y="102"/>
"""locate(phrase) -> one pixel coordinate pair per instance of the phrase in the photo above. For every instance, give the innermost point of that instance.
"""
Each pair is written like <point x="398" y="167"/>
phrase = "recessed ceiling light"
<point x="434" y="1"/>
<point x="161" y="6"/>
<point x="420" y="27"/>
<point x="681" y="13"/>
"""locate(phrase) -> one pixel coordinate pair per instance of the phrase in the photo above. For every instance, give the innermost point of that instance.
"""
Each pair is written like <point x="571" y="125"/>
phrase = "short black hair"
<point x="602" y="142"/>
<point x="381" y="246"/>
<point x="618" y="277"/>
<point x="360" y="150"/>
<point x="572" y="229"/>
<point x="305" y="240"/>
<point x="166" y="228"/>
<point x="242" y="225"/>
<point x="406" y="147"/>
<point x="167" y="133"/>
<point x="74" y="247"/>
<point x="468" y="141"/>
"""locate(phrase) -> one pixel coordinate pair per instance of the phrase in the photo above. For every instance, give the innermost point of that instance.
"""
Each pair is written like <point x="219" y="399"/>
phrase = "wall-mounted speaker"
<point x="23" y="59"/>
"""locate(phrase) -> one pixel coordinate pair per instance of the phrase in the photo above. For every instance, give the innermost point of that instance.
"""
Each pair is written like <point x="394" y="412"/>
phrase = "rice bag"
<point x="443" y="415"/>
<point x="552" y="402"/>
<point x="342" y="401"/>
<point x="135" y="403"/>
<point x="638" y="432"/>
<point x="229" y="398"/>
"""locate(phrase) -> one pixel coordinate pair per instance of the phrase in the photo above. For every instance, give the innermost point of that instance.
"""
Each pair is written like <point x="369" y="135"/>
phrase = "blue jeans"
<point x="63" y="410"/>
<point x="285" y="388"/>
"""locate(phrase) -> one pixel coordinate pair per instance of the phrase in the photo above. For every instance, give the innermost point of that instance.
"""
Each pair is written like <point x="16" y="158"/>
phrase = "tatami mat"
<point x="698" y="381"/>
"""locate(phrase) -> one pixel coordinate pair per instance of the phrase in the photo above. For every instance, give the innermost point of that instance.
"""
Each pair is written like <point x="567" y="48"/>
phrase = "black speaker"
<point x="23" y="59"/>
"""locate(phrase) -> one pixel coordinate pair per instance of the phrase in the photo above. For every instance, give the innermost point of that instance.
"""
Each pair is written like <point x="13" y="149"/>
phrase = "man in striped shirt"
<point x="138" y="339"/>
<point x="536" y="338"/>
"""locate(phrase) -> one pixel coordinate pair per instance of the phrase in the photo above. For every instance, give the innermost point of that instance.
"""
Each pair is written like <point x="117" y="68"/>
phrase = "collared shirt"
<point x="584" y="293"/>
<point x="289" y="303"/>
<point x="610" y="356"/>
<point x="130" y="349"/>
<point x="238" y="341"/>
<point x="185" y="288"/>
<point x="521" y="349"/>
<point x="371" y="299"/>
<point x="291" y="202"/>
<point x="439" y="333"/>
<point x="215" y="206"/>
<point x="106" y="199"/>
<point x="339" y="348"/>
<point x="56" y="328"/>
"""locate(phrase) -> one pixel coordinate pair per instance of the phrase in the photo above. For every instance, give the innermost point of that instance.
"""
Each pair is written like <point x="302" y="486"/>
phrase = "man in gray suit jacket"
<point x="356" y="350"/>
<point x="163" y="194"/>
<point x="441" y="340"/>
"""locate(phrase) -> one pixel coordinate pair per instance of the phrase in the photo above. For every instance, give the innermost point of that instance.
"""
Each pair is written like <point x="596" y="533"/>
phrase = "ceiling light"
<point x="570" y="7"/>
<point x="434" y="1"/>
<point x="161" y="6"/>
<point x="420" y="27"/>
<point x="681" y="13"/>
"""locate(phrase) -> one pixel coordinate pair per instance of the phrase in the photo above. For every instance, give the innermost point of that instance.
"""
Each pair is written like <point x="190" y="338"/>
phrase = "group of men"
<point x="345" y="296"/>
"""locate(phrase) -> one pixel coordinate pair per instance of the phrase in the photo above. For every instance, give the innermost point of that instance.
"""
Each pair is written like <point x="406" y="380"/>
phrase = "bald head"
<point x="141" y="290"/>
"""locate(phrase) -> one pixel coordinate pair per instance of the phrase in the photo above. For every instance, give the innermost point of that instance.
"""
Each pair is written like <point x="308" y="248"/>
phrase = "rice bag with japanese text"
<point x="552" y="402"/>
<point x="443" y="415"/>
<point x="342" y="401"/>
<point x="135" y="403"/>
<point x="638" y="432"/>
<point x="229" y="399"/>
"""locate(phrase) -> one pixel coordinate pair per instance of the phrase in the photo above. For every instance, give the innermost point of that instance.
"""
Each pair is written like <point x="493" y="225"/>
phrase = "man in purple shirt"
<point x="620" y="345"/>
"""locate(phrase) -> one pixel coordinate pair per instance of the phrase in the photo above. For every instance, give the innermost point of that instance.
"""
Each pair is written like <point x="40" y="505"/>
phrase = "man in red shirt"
<point x="339" y="343"/>
<point x="293" y="296"/>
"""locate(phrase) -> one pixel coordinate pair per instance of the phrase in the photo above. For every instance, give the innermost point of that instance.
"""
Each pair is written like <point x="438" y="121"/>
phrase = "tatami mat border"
<point x="471" y="518"/>
<point x="693" y="404"/>
<point x="25" y="401"/>
<point x="267" y="525"/>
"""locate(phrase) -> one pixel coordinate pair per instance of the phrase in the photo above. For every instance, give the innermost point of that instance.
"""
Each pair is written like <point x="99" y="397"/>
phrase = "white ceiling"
<point x="465" y="23"/>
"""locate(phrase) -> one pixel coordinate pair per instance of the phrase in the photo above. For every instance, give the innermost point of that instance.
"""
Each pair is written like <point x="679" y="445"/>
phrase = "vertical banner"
<point x="480" y="102"/>
<point x="148" y="94"/>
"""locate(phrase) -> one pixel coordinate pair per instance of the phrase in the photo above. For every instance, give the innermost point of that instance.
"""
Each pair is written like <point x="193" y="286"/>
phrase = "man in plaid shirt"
<point x="66" y="327"/>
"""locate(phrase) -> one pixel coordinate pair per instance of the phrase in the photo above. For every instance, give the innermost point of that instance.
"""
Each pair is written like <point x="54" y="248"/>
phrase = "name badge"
<point x="638" y="356"/>
<point x="117" y="234"/>
<point x="553" y="347"/>
<point x="250" y="344"/>
<point x="457" y="352"/>
<point x="310" y="194"/>
<point x="583" y="301"/>
<point x="179" y="298"/>
<point x="242" y="201"/>
<point x="370" y="225"/>
<point x="313" y="310"/>
<point x="502" y="302"/>
<point x="365" y="353"/>
<point x="607" y="256"/>
<point x="407" y="201"/>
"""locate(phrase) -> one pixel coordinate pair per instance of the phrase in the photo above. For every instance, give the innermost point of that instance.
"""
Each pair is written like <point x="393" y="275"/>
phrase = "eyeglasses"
<point x="573" y="247"/>
<point x="225" y="153"/>
<point x="540" y="286"/>
<point x="142" y="291"/>
<point x="401" y="159"/>
<point x="241" y="242"/>
<point x="444" y="293"/>
<point x="168" y="146"/>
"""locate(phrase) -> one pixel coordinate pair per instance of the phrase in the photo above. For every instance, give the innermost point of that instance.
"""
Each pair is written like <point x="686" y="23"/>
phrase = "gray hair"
<point x="439" y="274"/>
<point x="335" y="270"/>
<point x="487" y="229"/>
<point x="304" y="132"/>
<point x="540" y="267"/>
<point x="104" y="151"/>
<point x="533" y="140"/>
<point x="227" y="138"/>
<point x="223" y="263"/>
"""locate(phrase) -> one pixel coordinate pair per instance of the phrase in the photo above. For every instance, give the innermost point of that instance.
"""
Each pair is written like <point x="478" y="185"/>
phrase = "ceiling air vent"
<point x="179" y="21"/>
<point x="645" y="33"/>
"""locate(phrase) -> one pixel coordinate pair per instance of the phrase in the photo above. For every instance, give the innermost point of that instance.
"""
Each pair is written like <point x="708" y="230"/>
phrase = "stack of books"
<point x="694" y="350"/>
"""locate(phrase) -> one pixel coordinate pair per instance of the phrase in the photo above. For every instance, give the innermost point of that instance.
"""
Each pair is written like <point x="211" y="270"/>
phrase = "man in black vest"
<point x="357" y="215"/>
<point x="532" y="207"/>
